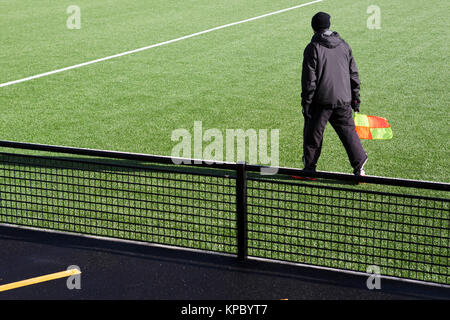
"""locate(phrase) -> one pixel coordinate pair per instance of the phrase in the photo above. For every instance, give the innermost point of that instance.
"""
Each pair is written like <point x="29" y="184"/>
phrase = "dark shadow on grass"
<point x="111" y="165"/>
<point x="288" y="178"/>
<point x="108" y="164"/>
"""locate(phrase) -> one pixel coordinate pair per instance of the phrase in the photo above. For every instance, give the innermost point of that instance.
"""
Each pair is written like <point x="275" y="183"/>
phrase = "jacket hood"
<point x="327" y="38"/>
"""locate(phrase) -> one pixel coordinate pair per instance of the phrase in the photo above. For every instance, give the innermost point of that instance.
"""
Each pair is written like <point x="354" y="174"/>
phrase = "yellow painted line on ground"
<point x="40" y="279"/>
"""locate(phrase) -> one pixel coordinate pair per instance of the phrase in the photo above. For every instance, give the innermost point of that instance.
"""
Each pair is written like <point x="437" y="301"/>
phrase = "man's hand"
<point x="305" y="111"/>
<point x="356" y="104"/>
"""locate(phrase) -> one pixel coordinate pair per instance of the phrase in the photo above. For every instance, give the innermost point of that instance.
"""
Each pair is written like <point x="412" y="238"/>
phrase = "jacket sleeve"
<point x="354" y="78"/>
<point x="309" y="75"/>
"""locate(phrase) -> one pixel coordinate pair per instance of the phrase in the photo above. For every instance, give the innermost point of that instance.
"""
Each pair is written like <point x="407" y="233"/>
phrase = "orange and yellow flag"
<point x="372" y="128"/>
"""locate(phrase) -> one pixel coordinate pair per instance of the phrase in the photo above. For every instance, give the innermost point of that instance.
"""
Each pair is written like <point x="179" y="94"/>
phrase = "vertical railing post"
<point x="241" y="210"/>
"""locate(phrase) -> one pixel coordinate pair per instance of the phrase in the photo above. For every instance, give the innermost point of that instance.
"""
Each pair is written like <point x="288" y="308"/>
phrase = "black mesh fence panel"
<point x="403" y="235"/>
<point x="403" y="232"/>
<point x="115" y="200"/>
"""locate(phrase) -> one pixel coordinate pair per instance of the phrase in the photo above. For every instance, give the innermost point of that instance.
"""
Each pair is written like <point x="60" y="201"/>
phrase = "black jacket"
<point x="329" y="75"/>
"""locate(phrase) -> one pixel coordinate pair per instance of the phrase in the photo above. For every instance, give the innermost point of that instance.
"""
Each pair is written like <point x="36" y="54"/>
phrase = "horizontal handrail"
<point x="432" y="185"/>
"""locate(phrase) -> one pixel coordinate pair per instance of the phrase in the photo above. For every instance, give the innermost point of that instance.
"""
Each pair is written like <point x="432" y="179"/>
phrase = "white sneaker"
<point x="361" y="171"/>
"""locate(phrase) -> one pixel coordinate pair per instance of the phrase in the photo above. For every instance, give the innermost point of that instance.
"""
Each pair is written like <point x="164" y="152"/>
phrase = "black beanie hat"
<point x="320" y="21"/>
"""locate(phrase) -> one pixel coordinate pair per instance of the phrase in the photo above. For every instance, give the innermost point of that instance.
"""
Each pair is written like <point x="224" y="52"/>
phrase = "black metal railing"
<point x="401" y="226"/>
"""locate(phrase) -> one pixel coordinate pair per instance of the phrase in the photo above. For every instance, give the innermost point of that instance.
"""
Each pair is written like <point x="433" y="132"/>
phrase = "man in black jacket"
<point x="330" y="90"/>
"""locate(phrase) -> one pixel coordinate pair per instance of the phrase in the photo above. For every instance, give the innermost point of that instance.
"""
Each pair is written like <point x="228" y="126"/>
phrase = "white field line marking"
<point x="155" y="45"/>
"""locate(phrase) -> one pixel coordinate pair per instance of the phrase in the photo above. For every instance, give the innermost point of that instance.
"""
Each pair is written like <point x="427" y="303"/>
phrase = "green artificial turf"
<point x="242" y="77"/>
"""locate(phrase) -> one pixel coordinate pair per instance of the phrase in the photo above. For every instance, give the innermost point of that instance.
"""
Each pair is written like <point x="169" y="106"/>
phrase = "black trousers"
<point x="341" y="119"/>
